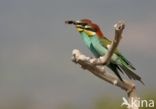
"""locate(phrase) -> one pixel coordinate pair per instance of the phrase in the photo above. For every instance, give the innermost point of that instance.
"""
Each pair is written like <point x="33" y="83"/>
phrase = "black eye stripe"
<point x="83" y="24"/>
<point x="90" y="29"/>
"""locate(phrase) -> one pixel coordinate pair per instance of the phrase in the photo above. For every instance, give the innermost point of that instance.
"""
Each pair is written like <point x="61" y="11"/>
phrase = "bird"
<point x="99" y="45"/>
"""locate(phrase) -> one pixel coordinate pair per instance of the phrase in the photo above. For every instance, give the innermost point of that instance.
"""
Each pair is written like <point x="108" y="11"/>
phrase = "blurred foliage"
<point x="102" y="102"/>
<point x="114" y="103"/>
<point x="108" y="103"/>
<point x="150" y="96"/>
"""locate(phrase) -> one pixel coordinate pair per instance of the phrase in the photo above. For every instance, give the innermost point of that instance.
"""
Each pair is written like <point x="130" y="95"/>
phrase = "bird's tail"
<point x="115" y="68"/>
<point x="130" y="73"/>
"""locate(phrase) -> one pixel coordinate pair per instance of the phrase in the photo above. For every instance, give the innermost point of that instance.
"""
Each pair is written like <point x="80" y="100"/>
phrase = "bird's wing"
<point x="106" y="43"/>
<point x="125" y="60"/>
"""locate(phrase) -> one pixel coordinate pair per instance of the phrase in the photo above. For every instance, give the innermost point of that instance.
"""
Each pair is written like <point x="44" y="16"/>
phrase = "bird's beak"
<point x="70" y="22"/>
<point x="76" y="23"/>
<point x="79" y="25"/>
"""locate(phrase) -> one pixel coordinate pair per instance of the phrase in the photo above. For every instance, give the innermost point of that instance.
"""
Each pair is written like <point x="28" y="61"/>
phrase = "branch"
<point x="96" y="65"/>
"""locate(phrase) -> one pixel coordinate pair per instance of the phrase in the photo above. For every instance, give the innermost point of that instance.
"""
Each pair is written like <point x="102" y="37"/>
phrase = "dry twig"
<point x="96" y="65"/>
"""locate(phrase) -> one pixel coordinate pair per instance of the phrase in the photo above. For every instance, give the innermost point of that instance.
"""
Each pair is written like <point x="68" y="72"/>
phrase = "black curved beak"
<point x="75" y="22"/>
<point x="70" y="22"/>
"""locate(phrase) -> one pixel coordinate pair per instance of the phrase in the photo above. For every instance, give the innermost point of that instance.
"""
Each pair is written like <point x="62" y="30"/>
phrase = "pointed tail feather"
<point x="115" y="69"/>
<point x="131" y="74"/>
<point x="126" y="61"/>
<point x="120" y="69"/>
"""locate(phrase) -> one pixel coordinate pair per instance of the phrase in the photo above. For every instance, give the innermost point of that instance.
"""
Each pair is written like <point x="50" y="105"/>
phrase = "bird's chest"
<point x="94" y="51"/>
<point x="89" y="44"/>
<point x="100" y="49"/>
<point x="85" y="39"/>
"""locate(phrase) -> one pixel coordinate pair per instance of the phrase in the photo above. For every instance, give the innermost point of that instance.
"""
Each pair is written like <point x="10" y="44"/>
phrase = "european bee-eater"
<point x="99" y="45"/>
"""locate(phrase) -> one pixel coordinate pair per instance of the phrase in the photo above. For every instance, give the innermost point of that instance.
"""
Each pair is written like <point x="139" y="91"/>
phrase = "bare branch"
<point x="94" y="65"/>
<point x="99" y="70"/>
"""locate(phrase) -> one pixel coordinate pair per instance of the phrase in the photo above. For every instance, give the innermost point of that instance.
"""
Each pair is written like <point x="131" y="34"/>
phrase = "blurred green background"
<point x="36" y="71"/>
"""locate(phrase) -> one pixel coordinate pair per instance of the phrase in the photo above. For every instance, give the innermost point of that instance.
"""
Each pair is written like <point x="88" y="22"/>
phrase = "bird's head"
<point x="87" y="26"/>
<point x="92" y="29"/>
<point x="79" y="24"/>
